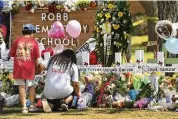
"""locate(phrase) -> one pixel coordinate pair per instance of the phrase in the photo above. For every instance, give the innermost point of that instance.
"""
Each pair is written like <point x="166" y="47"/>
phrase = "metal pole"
<point x="10" y="34"/>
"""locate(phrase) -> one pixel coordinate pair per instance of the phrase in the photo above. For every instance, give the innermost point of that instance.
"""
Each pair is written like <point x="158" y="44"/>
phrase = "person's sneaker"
<point x="39" y="104"/>
<point x="46" y="106"/>
<point x="33" y="108"/>
<point x="24" y="110"/>
<point x="64" y="107"/>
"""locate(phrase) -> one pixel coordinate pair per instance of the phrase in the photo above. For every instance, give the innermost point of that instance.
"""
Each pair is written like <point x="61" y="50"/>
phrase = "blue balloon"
<point x="172" y="45"/>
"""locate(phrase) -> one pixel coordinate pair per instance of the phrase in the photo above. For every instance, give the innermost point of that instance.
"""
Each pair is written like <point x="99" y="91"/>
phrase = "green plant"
<point x="7" y="82"/>
<point x="83" y="3"/>
<point x="112" y="31"/>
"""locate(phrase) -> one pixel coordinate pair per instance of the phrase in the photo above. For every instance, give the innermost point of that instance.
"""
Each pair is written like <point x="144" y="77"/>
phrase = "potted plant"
<point x="83" y="4"/>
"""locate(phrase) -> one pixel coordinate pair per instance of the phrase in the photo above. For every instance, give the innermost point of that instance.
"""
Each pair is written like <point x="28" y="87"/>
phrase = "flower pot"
<point x="84" y="9"/>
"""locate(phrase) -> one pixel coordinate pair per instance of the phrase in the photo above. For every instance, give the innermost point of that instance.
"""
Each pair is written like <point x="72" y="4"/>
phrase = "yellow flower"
<point x="127" y="35"/>
<point x="99" y="14"/>
<point x="97" y="29"/>
<point x="110" y="6"/>
<point x="108" y="15"/>
<point x="10" y="76"/>
<point x="116" y="26"/>
<point x="120" y="14"/>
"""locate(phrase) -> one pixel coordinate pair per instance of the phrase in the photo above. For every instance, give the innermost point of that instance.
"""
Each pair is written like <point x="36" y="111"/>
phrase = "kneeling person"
<point x="61" y="70"/>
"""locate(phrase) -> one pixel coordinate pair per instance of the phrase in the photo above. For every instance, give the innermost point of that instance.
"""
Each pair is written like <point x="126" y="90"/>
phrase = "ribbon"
<point x="105" y="44"/>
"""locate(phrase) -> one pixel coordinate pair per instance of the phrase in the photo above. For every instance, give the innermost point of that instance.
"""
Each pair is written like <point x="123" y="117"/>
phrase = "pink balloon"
<point x="4" y="30"/>
<point x="59" y="33"/>
<point x="57" y="25"/>
<point x="73" y="28"/>
<point x="51" y="33"/>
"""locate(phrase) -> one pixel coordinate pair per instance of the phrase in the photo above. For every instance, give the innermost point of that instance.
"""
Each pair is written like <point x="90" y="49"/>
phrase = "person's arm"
<point x="13" y="49"/>
<point x="76" y="88"/>
<point x="75" y="82"/>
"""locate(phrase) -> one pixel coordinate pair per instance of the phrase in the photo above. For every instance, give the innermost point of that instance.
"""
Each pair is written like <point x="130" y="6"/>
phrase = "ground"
<point x="92" y="113"/>
<point x="98" y="113"/>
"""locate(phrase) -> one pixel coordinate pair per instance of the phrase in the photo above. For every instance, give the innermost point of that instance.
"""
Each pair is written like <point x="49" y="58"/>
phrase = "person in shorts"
<point x="26" y="53"/>
<point x="61" y="81"/>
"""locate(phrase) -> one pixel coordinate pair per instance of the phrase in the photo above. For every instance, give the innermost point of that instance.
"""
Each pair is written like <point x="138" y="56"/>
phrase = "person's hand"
<point x="79" y="94"/>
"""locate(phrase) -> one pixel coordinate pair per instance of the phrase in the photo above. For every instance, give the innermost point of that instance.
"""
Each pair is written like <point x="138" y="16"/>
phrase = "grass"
<point x="92" y="113"/>
<point x="137" y="45"/>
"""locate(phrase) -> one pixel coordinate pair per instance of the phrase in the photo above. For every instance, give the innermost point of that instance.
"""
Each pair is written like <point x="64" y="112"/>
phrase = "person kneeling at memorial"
<point x="58" y="91"/>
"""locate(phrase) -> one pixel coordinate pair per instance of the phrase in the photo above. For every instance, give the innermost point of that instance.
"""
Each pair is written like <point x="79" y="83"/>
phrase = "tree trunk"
<point x="167" y="10"/>
<point x="151" y="10"/>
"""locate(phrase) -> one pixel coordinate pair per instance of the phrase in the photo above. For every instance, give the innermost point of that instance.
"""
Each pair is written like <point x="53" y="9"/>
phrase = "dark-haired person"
<point x="26" y="53"/>
<point x="61" y="71"/>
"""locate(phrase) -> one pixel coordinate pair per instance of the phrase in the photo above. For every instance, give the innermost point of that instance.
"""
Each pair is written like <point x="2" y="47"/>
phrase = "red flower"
<point x="127" y="75"/>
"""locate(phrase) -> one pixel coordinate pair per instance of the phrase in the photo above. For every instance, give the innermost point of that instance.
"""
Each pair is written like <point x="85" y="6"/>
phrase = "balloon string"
<point x="77" y="43"/>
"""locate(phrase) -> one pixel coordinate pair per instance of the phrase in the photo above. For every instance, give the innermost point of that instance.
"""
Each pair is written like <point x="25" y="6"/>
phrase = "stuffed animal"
<point x="132" y="93"/>
<point x="84" y="101"/>
<point x="141" y="103"/>
<point x="154" y="82"/>
<point x="105" y="98"/>
<point x="88" y="93"/>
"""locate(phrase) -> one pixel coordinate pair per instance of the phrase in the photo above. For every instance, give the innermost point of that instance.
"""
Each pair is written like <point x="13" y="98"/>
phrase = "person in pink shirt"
<point x="26" y="53"/>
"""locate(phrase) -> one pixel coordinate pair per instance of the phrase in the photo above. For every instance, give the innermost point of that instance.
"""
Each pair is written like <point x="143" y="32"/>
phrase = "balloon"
<point x="59" y="48"/>
<point x="57" y="25"/>
<point x="172" y="45"/>
<point x="4" y="30"/>
<point x="51" y="33"/>
<point x="59" y="33"/>
<point x="165" y="29"/>
<point x="49" y="49"/>
<point x="57" y="30"/>
<point x="73" y="28"/>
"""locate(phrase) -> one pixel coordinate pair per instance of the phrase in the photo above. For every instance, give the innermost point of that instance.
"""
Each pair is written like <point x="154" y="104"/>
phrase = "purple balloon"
<point x="57" y="25"/>
<point x="56" y="33"/>
<point x="73" y="28"/>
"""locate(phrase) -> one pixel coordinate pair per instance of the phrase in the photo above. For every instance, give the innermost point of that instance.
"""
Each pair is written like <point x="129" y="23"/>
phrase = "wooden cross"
<point x="166" y="60"/>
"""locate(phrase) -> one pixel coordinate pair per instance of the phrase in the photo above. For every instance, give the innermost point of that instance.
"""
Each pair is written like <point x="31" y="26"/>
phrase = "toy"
<point x="105" y="98"/>
<point x="141" y="103"/>
<point x="132" y="93"/>
<point x="87" y="96"/>
<point x="154" y="82"/>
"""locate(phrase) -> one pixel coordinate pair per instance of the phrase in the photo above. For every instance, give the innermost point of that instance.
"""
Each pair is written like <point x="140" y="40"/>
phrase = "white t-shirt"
<point x="58" y="84"/>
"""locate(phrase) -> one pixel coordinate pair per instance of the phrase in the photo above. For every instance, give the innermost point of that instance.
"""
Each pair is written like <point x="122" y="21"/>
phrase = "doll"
<point x="85" y="100"/>
<point x="154" y="82"/>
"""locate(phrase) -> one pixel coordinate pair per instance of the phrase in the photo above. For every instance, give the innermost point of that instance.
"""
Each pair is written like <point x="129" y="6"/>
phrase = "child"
<point x="26" y="53"/>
